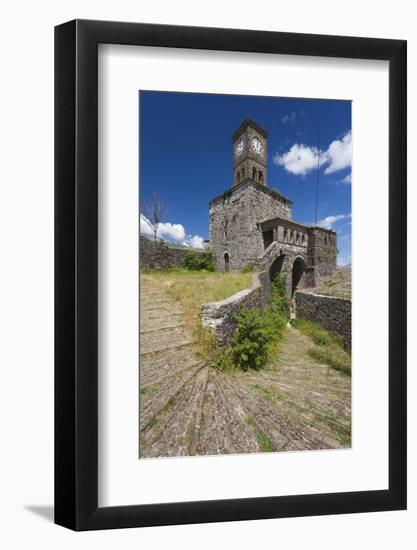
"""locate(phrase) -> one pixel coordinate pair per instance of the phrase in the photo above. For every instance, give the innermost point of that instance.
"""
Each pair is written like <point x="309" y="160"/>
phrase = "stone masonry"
<point x="251" y="223"/>
<point x="334" y="314"/>
<point x="220" y="317"/>
<point x="157" y="255"/>
<point x="234" y="218"/>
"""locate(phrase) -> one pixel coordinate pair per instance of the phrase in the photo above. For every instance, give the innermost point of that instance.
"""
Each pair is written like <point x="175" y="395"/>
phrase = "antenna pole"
<point x="318" y="176"/>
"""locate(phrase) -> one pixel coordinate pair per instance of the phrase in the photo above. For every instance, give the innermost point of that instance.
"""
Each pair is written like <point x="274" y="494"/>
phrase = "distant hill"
<point x="338" y="285"/>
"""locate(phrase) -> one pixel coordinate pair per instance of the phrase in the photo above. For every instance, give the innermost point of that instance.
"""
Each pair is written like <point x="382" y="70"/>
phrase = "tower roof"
<point x="248" y="122"/>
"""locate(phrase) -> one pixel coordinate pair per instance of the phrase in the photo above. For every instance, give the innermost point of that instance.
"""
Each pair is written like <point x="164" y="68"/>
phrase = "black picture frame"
<point x="76" y="272"/>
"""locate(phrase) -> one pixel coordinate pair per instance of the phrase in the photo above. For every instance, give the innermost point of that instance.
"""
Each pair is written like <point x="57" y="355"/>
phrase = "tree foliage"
<point x="198" y="261"/>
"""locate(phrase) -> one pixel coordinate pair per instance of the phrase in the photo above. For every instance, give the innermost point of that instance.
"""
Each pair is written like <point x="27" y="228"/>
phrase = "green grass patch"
<point x="329" y="348"/>
<point x="188" y="439"/>
<point x="343" y="432"/>
<point x="329" y="356"/>
<point x="265" y="444"/>
<point x="319" y="335"/>
<point x="264" y="393"/>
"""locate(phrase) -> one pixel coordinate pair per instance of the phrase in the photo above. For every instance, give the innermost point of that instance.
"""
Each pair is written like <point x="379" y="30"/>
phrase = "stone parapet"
<point x="220" y="317"/>
<point x="333" y="314"/>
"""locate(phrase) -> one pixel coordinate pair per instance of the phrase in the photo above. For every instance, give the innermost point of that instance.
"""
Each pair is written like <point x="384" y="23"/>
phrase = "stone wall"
<point x="333" y="314"/>
<point x="157" y="255"/>
<point x="234" y="218"/>
<point x="220" y="317"/>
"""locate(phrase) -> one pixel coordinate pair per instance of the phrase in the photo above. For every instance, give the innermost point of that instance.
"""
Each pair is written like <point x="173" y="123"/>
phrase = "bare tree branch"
<point x="154" y="209"/>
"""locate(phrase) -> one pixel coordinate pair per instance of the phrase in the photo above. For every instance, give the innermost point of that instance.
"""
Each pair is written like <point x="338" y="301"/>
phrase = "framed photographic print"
<point x="230" y="275"/>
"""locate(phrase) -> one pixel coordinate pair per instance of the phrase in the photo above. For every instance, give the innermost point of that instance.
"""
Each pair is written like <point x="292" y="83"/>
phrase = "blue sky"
<point x="186" y="157"/>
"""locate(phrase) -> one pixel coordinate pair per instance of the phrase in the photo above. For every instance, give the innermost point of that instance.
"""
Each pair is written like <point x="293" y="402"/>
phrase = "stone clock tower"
<point x="235" y="235"/>
<point x="249" y="153"/>
<point x="251" y="224"/>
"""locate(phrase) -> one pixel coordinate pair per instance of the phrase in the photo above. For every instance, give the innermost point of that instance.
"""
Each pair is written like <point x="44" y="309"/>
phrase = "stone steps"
<point x="155" y="398"/>
<point x="187" y="408"/>
<point x="173" y="431"/>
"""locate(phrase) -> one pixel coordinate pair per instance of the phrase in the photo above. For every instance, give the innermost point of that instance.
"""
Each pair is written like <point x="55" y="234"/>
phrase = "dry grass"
<point x="194" y="288"/>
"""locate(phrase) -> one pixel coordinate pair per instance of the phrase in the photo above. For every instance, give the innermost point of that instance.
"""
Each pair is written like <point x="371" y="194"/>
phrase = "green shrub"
<point x="279" y="301"/>
<point x="223" y="360"/>
<point x="252" y="339"/>
<point x="259" y="330"/>
<point x="248" y="268"/>
<point x="197" y="261"/>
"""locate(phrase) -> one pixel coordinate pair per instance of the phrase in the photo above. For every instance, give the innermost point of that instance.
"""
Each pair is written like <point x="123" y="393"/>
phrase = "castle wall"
<point x="333" y="314"/>
<point x="234" y="218"/>
<point x="157" y="255"/>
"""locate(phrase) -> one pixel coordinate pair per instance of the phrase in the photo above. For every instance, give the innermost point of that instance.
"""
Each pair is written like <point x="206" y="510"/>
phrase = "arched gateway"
<point x="298" y="270"/>
<point x="293" y="269"/>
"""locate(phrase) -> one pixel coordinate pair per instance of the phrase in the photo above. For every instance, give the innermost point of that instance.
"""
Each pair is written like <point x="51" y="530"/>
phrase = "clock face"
<point x="257" y="145"/>
<point x="240" y="146"/>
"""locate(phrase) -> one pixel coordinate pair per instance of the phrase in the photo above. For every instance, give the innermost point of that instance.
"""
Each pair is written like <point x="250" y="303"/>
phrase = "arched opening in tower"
<point x="298" y="270"/>
<point x="276" y="267"/>
<point x="226" y="262"/>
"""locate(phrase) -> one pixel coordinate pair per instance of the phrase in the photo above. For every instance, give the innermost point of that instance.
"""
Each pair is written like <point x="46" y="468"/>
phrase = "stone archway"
<point x="276" y="266"/>
<point x="278" y="258"/>
<point x="298" y="270"/>
<point x="226" y="262"/>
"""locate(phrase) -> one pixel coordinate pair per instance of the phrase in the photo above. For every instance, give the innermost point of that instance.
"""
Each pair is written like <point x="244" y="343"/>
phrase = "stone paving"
<point x="188" y="408"/>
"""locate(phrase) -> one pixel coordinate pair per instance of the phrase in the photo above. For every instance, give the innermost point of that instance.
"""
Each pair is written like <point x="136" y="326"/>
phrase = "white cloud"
<point x="145" y="226"/>
<point x="329" y="222"/>
<point x="301" y="159"/>
<point x="172" y="232"/>
<point x="196" y="241"/>
<point x="347" y="179"/>
<point x="339" y="154"/>
<point x="289" y="118"/>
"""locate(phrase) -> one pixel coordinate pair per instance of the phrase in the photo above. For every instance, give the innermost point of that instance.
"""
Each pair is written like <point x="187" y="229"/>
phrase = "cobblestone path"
<point x="188" y="408"/>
